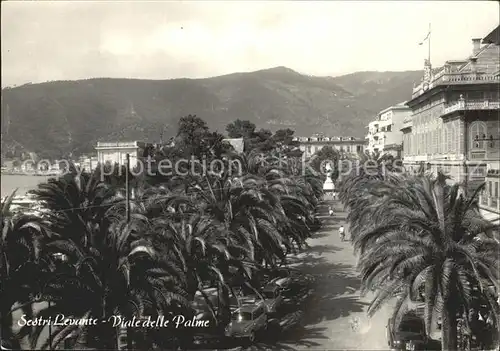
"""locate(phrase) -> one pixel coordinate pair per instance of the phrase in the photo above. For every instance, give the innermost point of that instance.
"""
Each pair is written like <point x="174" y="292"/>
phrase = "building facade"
<point x="384" y="133"/>
<point x="116" y="152"/>
<point x="454" y="126"/>
<point x="87" y="163"/>
<point x="489" y="201"/>
<point x="347" y="145"/>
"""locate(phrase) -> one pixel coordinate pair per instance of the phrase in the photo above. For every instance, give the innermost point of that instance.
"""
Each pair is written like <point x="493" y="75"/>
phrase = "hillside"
<point x="55" y="118"/>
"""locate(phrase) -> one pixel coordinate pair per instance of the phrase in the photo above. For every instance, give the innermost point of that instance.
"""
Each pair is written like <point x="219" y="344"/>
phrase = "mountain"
<point x="57" y="118"/>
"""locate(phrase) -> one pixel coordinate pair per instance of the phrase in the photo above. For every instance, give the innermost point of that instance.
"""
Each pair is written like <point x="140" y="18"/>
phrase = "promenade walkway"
<point x="336" y="317"/>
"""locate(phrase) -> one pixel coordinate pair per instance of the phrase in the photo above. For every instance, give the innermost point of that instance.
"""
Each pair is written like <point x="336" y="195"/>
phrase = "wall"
<point x="427" y="131"/>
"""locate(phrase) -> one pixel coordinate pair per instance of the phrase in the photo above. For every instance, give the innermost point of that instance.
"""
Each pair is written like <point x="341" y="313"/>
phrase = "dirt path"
<point x="337" y="305"/>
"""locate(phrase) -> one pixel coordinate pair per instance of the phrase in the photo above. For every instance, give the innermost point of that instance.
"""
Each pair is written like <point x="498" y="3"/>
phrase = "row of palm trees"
<point x="87" y="259"/>
<point x="418" y="236"/>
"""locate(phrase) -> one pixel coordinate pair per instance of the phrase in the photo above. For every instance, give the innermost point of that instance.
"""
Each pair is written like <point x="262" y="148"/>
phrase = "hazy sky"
<point x="70" y="40"/>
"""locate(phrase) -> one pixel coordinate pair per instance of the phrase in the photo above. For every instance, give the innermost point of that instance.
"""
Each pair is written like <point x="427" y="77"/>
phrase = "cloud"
<point x="71" y="40"/>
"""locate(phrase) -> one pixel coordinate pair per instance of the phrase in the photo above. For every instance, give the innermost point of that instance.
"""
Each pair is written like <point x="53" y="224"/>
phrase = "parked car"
<point x="287" y="278"/>
<point x="247" y="321"/>
<point x="272" y="297"/>
<point x="409" y="335"/>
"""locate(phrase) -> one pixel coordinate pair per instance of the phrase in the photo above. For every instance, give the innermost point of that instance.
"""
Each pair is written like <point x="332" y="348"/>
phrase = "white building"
<point x="346" y="145"/>
<point x="384" y="133"/>
<point x="116" y="152"/>
<point x="87" y="163"/>
<point x="237" y="143"/>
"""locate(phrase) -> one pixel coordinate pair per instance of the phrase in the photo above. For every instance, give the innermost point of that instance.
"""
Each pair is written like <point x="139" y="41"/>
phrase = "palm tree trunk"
<point x="449" y="327"/>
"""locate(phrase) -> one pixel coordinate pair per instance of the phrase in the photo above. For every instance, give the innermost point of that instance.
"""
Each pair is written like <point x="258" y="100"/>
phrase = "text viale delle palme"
<point x="117" y="321"/>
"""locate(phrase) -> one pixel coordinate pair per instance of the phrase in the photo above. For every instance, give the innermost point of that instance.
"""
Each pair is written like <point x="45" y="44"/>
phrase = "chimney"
<point x="476" y="46"/>
<point x="473" y="64"/>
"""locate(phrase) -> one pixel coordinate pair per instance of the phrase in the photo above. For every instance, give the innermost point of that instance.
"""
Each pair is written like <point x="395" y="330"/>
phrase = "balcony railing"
<point x="456" y="78"/>
<point x="489" y="202"/>
<point x="472" y="105"/>
<point x="407" y="123"/>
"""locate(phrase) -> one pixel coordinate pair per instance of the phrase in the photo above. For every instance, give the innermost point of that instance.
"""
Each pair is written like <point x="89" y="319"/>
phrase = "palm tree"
<point x="207" y="251"/>
<point x="356" y="189"/>
<point x="20" y="244"/>
<point x="112" y="267"/>
<point x="430" y="238"/>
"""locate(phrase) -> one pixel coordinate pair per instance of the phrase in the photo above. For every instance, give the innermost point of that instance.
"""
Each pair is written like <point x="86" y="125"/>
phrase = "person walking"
<point x="342" y="233"/>
<point x="330" y="211"/>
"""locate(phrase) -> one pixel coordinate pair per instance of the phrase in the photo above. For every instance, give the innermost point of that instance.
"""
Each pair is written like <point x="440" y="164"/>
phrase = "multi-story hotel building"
<point x="384" y="133"/>
<point x="347" y="145"/>
<point x="454" y="125"/>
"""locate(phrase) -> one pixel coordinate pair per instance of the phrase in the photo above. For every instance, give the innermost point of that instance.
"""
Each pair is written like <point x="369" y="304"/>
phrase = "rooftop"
<point x="493" y="37"/>
<point x="333" y="140"/>
<point x="248" y="308"/>
<point x="479" y="68"/>
<point x="400" y="106"/>
<point x="237" y="143"/>
<point x="271" y="287"/>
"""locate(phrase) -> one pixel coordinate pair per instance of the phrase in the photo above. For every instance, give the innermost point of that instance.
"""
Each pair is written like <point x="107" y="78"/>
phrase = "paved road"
<point x="330" y="316"/>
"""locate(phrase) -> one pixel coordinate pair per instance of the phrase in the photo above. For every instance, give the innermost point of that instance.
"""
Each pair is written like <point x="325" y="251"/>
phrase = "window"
<point x="428" y="142"/>
<point x="439" y="138"/>
<point x="496" y="189"/>
<point x="270" y="294"/>
<point x="445" y="140"/>
<point x="490" y="193"/>
<point x="453" y="147"/>
<point x="449" y="139"/>
<point x="241" y="316"/>
<point x="258" y="313"/>
<point x="478" y="131"/>
<point x="389" y="127"/>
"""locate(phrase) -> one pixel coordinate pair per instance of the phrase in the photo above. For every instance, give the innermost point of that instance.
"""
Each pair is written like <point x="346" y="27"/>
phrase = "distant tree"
<point x="190" y="137"/>
<point x="284" y="143"/>
<point x="216" y="144"/>
<point x="240" y="129"/>
<point x="194" y="140"/>
<point x="261" y="140"/>
<point x="326" y="154"/>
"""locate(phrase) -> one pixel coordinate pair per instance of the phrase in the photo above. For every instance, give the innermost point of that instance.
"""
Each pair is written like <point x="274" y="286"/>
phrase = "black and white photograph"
<point x="250" y="175"/>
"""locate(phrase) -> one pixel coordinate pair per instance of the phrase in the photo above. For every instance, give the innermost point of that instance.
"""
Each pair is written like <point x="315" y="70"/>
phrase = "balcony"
<point x="455" y="78"/>
<point x="407" y="123"/>
<point x="472" y="105"/>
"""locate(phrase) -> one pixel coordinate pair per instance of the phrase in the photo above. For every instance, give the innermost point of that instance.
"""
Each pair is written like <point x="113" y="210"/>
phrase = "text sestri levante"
<point x="117" y="321"/>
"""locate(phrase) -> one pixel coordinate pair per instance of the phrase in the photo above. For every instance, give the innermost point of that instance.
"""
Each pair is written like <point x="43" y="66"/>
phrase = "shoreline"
<point x="53" y="174"/>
